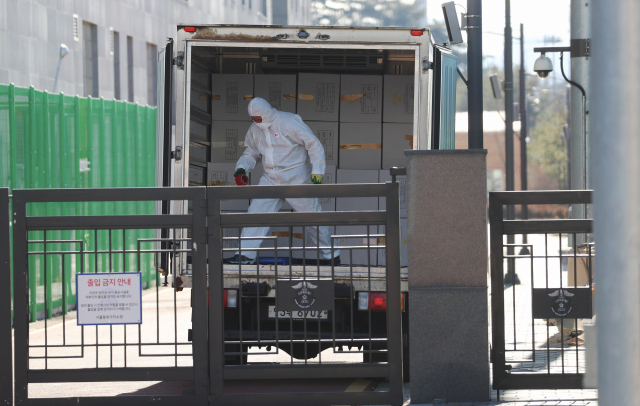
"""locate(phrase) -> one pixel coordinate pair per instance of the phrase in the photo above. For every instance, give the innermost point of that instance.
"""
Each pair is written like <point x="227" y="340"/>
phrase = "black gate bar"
<point x="6" y="355"/>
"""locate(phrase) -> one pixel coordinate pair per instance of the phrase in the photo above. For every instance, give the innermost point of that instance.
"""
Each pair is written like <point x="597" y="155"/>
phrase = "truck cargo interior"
<point x="359" y="102"/>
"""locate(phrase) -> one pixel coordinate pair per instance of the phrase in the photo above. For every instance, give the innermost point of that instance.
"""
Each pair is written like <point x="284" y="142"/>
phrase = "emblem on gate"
<point x="561" y="305"/>
<point x="304" y="296"/>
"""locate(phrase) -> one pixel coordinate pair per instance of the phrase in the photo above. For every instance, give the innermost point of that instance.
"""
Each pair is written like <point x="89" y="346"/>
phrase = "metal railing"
<point x="537" y="341"/>
<point x="222" y="347"/>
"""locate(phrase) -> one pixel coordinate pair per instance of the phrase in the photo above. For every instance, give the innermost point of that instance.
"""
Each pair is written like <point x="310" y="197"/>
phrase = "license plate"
<point x="299" y="314"/>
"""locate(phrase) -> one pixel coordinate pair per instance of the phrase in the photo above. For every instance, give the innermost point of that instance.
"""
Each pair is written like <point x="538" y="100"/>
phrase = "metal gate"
<point x="537" y="340"/>
<point x="207" y="363"/>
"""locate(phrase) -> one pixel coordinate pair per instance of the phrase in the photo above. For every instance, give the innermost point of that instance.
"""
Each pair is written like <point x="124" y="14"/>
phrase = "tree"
<point x="377" y="13"/>
<point x="546" y="147"/>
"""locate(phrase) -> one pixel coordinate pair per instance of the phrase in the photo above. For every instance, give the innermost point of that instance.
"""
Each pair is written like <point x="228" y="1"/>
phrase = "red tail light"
<point x="415" y="33"/>
<point x="193" y="29"/>
<point x="378" y="301"/>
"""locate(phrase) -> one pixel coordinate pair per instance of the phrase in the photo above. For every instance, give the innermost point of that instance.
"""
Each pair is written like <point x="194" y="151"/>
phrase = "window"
<point x="90" y="39"/>
<point x="130" y="67"/>
<point x="76" y="29"/>
<point x="116" y="65"/>
<point x="263" y="7"/>
<point x="152" y="74"/>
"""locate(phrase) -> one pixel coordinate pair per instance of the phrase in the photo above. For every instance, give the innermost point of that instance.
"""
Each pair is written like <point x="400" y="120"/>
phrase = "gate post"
<point x="449" y="339"/>
<point x="6" y="361"/>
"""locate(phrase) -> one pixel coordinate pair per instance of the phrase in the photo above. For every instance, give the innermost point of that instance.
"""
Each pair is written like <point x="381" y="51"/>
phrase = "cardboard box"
<point x="404" y="255"/>
<point x="256" y="175"/>
<point x="318" y="96"/>
<point x="230" y="232"/>
<point x="360" y="146"/>
<point x="398" y="103"/>
<point x="327" y="133"/>
<point x="329" y="203"/>
<point x="360" y="98"/>
<point x="396" y="138"/>
<point x="310" y="251"/>
<point x="227" y="140"/>
<point x="385" y="177"/>
<point x="221" y="174"/>
<point x="230" y="96"/>
<point x="278" y="90"/>
<point x="357" y="256"/>
<point x="360" y="250"/>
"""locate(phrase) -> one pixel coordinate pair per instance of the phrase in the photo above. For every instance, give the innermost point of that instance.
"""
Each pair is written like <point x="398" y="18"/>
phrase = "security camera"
<point x="543" y="66"/>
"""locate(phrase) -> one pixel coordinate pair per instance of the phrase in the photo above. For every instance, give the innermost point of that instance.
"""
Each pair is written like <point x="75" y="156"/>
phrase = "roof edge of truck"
<point x="343" y="27"/>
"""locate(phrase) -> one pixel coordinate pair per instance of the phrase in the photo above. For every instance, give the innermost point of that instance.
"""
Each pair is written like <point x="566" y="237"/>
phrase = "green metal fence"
<point x="57" y="141"/>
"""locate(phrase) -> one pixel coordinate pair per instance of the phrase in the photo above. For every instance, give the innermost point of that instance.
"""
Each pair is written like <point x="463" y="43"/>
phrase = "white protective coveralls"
<point x="286" y="144"/>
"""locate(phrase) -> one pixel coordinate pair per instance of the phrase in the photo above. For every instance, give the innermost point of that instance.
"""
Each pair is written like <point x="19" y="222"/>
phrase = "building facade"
<point x="112" y="44"/>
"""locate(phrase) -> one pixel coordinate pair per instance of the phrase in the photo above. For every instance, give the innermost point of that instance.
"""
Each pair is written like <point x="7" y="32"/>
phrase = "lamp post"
<point x="64" y="50"/>
<point x="510" y="277"/>
<point x="543" y="66"/>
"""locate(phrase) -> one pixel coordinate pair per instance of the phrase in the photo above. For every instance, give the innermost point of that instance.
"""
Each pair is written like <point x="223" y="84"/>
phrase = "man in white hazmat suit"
<point x="291" y="155"/>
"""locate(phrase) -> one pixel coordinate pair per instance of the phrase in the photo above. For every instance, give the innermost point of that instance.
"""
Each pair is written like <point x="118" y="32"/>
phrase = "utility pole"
<point x="474" y="66"/>
<point x="615" y="102"/>
<point x="523" y="134"/>
<point x="510" y="277"/>
<point x="580" y="32"/>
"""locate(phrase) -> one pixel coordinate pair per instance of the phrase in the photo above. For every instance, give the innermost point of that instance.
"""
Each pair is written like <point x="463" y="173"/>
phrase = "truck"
<point x="367" y="74"/>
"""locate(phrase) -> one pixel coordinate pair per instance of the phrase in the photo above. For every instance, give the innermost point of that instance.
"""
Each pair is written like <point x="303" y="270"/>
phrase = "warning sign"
<point x="109" y="298"/>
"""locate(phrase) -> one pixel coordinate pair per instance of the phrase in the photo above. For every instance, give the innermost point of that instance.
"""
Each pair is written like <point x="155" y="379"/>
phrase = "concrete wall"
<point x="31" y="32"/>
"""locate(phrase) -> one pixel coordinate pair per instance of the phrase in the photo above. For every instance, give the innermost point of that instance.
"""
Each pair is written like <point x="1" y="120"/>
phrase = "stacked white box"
<point x="318" y="96"/>
<point x="221" y="174"/>
<point x="230" y="232"/>
<point x="404" y="243"/>
<point x="278" y="90"/>
<point x="360" y="98"/>
<point x="227" y="140"/>
<point x="328" y="203"/>
<point x="396" y="138"/>
<point x="385" y="177"/>
<point x="230" y="96"/>
<point x="357" y="256"/>
<point x="398" y="101"/>
<point x="256" y="175"/>
<point x="360" y="146"/>
<point x="309" y="243"/>
<point x="327" y="133"/>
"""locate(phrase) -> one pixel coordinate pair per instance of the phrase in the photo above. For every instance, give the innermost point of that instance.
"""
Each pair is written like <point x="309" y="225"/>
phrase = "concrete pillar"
<point x="615" y="102"/>
<point x="580" y="156"/>
<point x="447" y="234"/>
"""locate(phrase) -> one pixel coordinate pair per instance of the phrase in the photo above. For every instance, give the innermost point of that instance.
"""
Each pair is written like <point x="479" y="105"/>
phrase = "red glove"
<point x="241" y="177"/>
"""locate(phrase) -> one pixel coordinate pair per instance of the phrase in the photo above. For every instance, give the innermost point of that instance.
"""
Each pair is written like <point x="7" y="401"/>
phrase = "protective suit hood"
<point x="261" y="107"/>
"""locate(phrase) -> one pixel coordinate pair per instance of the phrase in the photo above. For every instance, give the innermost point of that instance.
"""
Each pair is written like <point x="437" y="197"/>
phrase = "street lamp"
<point x="543" y="67"/>
<point x="64" y="50"/>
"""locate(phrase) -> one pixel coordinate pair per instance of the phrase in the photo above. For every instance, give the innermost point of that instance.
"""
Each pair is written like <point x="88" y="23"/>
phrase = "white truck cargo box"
<point x="230" y="96"/>
<point x="360" y="146"/>
<point x="327" y="133"/>
<point x="318" y="96"/>
<point x="227" y="140"/>
<point x="396" y="138"/>
<point x="360" y="98"/>
<point x="398" y="99"/>
<point x="278" y="90"/>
